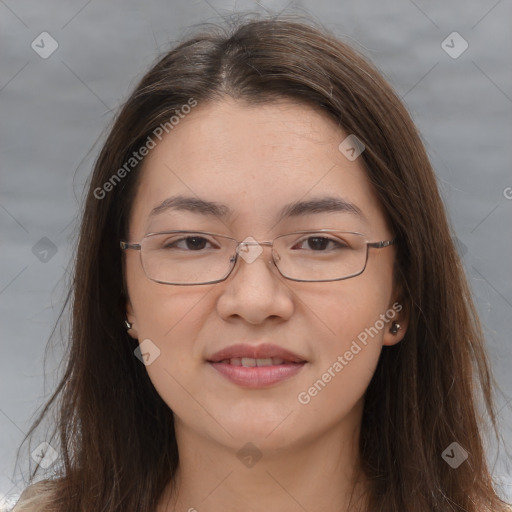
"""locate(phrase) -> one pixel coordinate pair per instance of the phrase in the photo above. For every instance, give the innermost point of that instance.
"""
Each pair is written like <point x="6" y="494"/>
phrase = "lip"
<point x="263" y="351"/>
<point x="256" y="376"/>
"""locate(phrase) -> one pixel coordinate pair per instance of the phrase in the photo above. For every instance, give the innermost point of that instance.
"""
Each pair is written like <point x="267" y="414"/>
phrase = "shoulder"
<point x="36" y="496"/>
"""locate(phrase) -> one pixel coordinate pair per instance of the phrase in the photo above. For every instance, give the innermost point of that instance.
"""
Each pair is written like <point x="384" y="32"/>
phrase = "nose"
<point x="255" y="291"/>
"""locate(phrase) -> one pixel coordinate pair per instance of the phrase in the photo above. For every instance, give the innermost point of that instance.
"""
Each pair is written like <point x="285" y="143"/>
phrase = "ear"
<point x="130" y="316"/>
<point x="398" y="316"/>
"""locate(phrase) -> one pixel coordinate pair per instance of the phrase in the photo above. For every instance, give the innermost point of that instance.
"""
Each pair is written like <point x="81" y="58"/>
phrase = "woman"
<point x="268" y="309"/>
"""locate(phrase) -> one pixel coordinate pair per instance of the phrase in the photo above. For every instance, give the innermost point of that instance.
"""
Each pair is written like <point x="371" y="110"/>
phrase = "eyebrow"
<point x="327" y="204"/>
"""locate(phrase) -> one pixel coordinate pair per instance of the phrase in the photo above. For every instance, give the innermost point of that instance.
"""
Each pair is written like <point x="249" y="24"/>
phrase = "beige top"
<point x="35" y="497"/>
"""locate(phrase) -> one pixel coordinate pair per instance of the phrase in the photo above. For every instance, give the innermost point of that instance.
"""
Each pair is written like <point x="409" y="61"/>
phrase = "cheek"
<point x="162" y="310"/>
<point x="172" y="321"/>
<point x="355" y="309"/>
<point x="353" y="345"/>
<point x="170" y="318"/>
<point x="346" y="363"/>
<point x="350" y="322"/>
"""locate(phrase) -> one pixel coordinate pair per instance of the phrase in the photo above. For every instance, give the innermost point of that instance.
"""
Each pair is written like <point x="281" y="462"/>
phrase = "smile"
<point x="256" y="366"/>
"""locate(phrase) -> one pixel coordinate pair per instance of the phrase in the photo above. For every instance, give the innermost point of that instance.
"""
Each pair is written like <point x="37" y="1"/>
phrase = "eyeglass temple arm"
<point x="126" y="245"/>
<point x="384" y="243"/>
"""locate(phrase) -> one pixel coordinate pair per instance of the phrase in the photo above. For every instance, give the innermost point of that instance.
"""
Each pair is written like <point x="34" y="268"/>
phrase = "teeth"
<point x="264" y="362"/>
<point x="250" y="362"/>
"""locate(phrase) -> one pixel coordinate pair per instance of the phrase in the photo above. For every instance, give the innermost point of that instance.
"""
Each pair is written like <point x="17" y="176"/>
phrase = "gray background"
<point x="53" y="111"/>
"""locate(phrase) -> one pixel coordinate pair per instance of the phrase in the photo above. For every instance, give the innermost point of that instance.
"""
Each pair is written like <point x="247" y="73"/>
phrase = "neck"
<point x="317" y="475"/>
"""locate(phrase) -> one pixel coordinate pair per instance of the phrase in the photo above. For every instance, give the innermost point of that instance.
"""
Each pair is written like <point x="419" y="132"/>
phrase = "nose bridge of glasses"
<point x="250" y="249"/>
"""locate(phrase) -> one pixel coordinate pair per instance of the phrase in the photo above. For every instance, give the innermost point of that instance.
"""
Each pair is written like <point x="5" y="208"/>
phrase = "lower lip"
<point x="258" y="376"/>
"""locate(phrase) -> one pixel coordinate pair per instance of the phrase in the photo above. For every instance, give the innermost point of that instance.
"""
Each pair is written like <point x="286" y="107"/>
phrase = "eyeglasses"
<point x="195" y="257"/>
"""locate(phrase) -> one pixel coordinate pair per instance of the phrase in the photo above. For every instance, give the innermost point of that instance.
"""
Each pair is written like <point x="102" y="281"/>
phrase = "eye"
<point x="188" y="243"/>
<point x="321" y="243"/>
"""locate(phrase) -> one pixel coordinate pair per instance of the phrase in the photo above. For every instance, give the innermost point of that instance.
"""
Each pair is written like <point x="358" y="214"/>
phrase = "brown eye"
<point x="189" y="243"/>
<point x="195" y="243"/>
<point x="320" y="243"/>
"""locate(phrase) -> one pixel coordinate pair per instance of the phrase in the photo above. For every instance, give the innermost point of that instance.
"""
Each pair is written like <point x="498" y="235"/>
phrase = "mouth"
<point x="251" y="362"/>
<point x="256" y="366"/>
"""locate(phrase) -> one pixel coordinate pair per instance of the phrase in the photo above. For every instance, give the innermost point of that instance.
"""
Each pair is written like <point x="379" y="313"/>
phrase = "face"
<point x="255" y="161"/>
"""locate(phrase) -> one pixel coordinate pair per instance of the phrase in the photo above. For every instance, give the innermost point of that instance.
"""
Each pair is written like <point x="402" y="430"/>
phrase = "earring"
<point x="395" y="327"/>
<point x="128" y="325"/>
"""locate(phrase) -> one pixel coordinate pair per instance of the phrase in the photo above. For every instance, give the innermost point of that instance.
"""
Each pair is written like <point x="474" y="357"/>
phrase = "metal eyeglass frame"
<point x="138" y="246"/>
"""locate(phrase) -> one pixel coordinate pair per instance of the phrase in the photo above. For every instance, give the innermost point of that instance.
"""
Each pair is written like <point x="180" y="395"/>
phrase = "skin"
<point x="255" y="160"/>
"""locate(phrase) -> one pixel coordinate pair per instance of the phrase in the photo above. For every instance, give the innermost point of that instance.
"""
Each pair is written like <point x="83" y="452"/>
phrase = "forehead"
<point x="254" y="160"/>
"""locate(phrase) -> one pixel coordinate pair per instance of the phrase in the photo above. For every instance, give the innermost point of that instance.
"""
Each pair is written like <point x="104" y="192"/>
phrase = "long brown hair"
<point x="115" y="433"/>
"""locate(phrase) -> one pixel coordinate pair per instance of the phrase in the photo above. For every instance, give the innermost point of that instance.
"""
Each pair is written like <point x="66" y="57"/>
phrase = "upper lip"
<point x="263" y="351"/>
